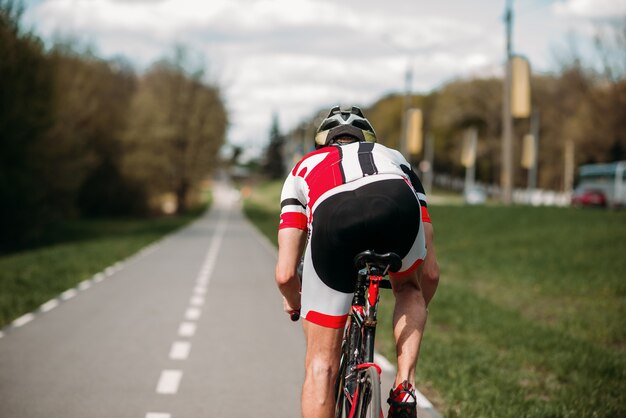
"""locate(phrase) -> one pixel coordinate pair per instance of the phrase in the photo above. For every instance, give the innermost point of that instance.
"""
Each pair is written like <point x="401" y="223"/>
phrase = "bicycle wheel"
<point x="368" y="402"/>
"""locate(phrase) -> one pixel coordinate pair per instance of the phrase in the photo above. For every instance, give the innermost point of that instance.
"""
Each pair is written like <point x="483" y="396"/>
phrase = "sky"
<point x="295" y="57"/>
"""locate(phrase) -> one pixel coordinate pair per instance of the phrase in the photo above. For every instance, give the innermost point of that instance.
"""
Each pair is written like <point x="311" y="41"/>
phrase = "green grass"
<point x="530" y="316"/>
<point x="76" y="251"/>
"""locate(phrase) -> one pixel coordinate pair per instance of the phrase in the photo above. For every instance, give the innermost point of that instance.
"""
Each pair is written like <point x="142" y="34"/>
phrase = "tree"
<point x="26" y="82"/>
<point x="177" y="127"/>
<point x="274" y="166"/>
<point x="463" y="104"/>
<point x="105" y="191"/>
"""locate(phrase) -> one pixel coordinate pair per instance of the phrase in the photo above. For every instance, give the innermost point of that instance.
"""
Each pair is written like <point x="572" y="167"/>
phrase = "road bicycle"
<point x="358" y="383"/>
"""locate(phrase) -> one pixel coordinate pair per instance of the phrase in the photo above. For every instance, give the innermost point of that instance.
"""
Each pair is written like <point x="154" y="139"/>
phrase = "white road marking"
<point x="23" y="320"/>
<point x="68" y="294"/>
<point x="169" y="382"/>
<point x="384" y="364"/>
<point x="180" y="350"/>
<point x="216" y="242"/>
<point x="192" y="314"/>
<point x="202" y="280"/>
<point x="422" y="402"/>
<point x="98" y="277"/>
<point x="49" y="305"/>
<point x="158" y="415"/>
<point x="84" y="285"/>
<point x="187" y="329"/>
<point x="200" y="290"/>
<point x="196" y="301"/>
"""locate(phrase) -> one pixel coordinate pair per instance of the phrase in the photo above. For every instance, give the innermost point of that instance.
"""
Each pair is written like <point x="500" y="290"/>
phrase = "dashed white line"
<point x="200" y="290"/>
<point x="23" y="320"/>
<point x="192" y="314"/>
<point x="68" y="294"/>
<point x="187" y="329"/>
<point x="158" y="415"/>
<point x="49" y="305"/>
<point x="180" y="350"/>
<point x="84" y="285"/>
<point x="98" y="277"/>
<point x="169" y="381"/>
<point x="196" y="300"/>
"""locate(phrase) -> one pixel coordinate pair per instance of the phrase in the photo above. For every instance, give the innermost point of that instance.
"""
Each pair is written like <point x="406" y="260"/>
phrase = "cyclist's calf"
<point x="321" y="368"/>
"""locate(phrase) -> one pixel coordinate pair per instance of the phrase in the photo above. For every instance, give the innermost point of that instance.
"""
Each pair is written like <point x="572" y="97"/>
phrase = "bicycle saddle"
<point x="392" y="260"/>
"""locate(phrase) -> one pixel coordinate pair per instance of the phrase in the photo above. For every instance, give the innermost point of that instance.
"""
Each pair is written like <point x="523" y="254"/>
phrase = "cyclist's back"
<point x="332" y="166"/>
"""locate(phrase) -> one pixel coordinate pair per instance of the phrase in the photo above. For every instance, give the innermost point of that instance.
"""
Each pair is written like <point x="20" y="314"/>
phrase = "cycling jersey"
<point x="351" y="198"/>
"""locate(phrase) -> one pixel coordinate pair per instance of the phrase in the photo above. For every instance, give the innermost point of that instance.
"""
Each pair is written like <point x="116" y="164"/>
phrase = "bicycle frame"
<point x="358" y="348"/>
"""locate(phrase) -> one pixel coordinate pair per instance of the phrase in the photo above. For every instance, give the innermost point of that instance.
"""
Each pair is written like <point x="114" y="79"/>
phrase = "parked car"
<point x="602" y="184"/>
<point x="588" y="197"/>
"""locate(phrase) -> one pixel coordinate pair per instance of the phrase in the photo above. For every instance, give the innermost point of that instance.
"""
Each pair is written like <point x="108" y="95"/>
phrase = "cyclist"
<point x="349" y="195"/>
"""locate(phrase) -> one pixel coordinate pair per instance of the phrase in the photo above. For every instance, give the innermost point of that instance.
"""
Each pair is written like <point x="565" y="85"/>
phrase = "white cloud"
<point x="590" y="8"/>
<point x="297" y="56"/>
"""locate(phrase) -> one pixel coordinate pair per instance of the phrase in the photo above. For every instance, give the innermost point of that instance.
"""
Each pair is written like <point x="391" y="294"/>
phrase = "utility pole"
<point x="407" y="104"/>
<point x="506" y="173"/>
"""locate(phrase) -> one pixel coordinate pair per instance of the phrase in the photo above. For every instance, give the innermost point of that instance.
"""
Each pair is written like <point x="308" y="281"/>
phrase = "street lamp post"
<point x="506" y="174"/>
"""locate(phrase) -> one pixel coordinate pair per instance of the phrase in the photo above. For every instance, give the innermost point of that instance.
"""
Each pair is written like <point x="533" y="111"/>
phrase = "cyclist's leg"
<point x="429" y="270"/>
<point x="409" y="320"/>
<point x="323" y="346"/>
<point x="325" y="311"/>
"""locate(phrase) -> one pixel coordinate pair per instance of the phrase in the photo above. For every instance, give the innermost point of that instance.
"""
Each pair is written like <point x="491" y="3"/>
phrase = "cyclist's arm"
<point x="291" y="243"/>
<point x="292" y="233"/>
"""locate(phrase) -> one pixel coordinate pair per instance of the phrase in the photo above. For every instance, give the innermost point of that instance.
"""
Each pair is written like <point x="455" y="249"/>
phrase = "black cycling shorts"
<point x="380" y="214"/>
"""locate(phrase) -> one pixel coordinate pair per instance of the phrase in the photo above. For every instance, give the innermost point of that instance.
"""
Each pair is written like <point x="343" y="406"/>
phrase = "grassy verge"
<point x="77" y="251"/>
<point x="529" y="319"/>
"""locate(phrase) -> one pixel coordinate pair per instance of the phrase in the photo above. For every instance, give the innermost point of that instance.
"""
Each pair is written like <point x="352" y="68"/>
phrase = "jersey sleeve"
<point x="293" y="212"/>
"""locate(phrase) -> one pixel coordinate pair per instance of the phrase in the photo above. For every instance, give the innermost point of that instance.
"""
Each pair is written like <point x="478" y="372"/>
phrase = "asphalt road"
<point x="190" y="327"/>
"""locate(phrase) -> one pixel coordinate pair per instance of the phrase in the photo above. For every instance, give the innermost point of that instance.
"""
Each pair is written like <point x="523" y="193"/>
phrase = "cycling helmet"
<point x="344" y="123"/>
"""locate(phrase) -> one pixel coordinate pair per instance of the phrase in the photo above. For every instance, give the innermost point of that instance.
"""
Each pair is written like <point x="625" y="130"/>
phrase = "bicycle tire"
<point x="369" y="399"/>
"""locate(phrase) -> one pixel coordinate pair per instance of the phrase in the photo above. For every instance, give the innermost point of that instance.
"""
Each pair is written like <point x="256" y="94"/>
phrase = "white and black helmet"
<point x="344" y="123"/>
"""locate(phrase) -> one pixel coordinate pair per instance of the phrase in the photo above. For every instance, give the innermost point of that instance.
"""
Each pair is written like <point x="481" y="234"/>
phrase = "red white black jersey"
<point x="319" y="172"/>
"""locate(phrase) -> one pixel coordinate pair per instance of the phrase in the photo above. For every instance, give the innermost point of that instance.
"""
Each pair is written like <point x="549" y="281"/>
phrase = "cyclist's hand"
<point x="288" y="308"/>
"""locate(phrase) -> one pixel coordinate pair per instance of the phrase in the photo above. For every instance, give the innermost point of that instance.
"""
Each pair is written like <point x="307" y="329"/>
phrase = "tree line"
<point x="584" y="101"/>
<point x="81" y="136"/>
